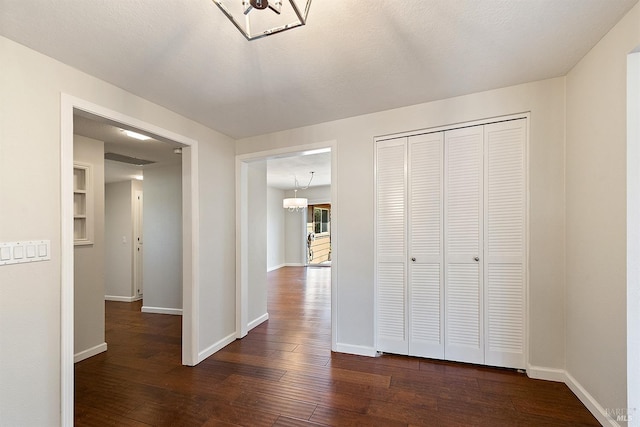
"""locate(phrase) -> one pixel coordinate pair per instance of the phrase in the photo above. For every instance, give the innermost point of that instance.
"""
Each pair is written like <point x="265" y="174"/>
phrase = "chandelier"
<point x="260" y="18"/>
<point x="295" y="203"/>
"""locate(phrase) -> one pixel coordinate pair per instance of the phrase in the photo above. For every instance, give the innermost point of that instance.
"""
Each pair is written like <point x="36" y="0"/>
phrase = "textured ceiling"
<point x="352" y="57"/>
<point x="282" y="172"/>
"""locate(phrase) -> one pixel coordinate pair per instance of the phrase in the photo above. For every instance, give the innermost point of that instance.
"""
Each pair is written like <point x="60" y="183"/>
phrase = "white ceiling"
<point x="283" y="172"/>
<point x="352" y="57"/>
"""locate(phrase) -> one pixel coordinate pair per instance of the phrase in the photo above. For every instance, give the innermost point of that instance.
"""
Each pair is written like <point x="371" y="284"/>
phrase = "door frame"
<point x="138" y="290"/>
<point x="242" y="227"/>
<point x="633" y="232"/>
<point x="190" y="239"/>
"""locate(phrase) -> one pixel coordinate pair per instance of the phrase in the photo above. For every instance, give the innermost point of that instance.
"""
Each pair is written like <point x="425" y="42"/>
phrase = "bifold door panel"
<point x="451" y="244"/>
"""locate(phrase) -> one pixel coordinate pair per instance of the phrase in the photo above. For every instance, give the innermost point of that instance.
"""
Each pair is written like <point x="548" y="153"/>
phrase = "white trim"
<point x="276" y="267"/>
<point x="90" y="352"/>
<point x="121" y="299"/>
<point x="560" y="375"/>
<point x="547" y="374"/>
<point x="633" y="234"/>
<point x="359" y="350"/>
<point x="66" y="263"/>
<point x="162" y="310"/>
<point x="589" y="401"/>
<point x="216" y="347"/>
<point x="258" y="321"/>
<point x="453" y="126"/>
<point x="295" y="264"/>
<point x="242" y="243"/>
<point x="190" y="239"/>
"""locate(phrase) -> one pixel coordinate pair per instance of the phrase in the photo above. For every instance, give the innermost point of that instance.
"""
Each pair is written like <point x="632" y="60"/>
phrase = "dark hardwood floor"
<point x="284" y="374"/>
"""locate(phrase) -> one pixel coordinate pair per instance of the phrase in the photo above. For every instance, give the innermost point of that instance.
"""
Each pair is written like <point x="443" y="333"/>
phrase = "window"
<point x="320" y="220"/>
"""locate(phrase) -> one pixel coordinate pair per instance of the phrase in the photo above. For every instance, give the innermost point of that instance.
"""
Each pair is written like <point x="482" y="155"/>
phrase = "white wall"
<point x="596" y="216"/>
<point x="275" y="229"/>
<point x="162" y="243"/>
<point x="89" y="268"/>
<point x="257" y="235"/>
<point x="118" y="233"/>
<point x="315" y="195"/>
<point x="355" y="187"/>
<point x="30" y="198"/>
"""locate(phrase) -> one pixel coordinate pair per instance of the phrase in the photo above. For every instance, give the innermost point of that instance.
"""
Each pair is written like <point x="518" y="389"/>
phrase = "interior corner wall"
<point x="355" y="189"/>
<point x="118" y="235"/>
<point x="257" y="237"/>
<point x="275" y="229"/>
<point x="596" y="216"/>
<point x="89" y="269"/>
<point x="30" y="195"/>
<point x="162" y="241"/>
<point x="320" y="194"/>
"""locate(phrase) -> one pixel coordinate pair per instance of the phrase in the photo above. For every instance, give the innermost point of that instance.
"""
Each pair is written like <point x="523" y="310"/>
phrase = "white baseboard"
<point x="121" y="299"/>
<point x="548" y="374"/>
<point x="216" y="347"/>
<point x="85" y="354"/>
<point x="294" y="264"/>
<point x="276" y="267"/>
<point x="258" y="321"/>
<point x="358" y="350"/>
<point x="592" y="404"/>
<point x="161" y="310"/>
<point x="560" y="375"/>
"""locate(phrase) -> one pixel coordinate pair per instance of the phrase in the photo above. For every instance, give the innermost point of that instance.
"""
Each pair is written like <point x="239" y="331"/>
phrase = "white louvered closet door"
<point x="391" y="292"/>
<point x="504" y="248"/>
<point x="425" y="237"/>
<point x="463" y="227"/>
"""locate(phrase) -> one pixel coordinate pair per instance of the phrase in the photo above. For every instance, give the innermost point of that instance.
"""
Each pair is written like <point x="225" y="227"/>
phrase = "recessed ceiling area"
<point x="351" y="58"/>
<point x="116" y="141"/>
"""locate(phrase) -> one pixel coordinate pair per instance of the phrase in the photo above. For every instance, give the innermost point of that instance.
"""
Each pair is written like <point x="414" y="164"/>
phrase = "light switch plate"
<point x="25" y="252"/>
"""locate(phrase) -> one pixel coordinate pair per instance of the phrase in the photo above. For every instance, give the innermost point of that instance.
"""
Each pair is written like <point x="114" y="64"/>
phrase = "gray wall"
<point x="118" y="230"/>
<point x="275" y="229"/>
<point x="596" y="179"/>
<point x="89" y="271"/>
<point x="257" y="235"/>
<point x="162" y="244"/>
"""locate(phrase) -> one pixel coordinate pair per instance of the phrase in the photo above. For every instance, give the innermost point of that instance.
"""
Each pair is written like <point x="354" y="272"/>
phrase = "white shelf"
<point x="82" y="204"/>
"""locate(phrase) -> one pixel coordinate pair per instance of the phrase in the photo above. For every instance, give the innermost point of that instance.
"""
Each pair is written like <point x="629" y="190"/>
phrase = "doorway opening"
<point x="190" y="249"/>
<point x="251" y="275"/>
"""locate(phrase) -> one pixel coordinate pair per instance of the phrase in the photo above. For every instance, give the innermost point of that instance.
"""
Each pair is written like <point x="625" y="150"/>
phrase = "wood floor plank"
<point x="283" y="373"/>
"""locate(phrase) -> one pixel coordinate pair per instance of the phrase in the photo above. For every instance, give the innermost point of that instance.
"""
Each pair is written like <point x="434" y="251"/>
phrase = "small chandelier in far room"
<point x="260" y="18"/>
<point x="295" y="203"/>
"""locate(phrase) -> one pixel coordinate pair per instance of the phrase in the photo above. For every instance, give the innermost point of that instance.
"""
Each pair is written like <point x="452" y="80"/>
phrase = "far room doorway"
<point x="271" y="235"/>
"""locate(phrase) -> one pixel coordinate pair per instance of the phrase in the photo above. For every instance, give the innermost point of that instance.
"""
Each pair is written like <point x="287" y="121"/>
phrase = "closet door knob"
<point x="413" y="259"/>
<point x="476" y="259"/>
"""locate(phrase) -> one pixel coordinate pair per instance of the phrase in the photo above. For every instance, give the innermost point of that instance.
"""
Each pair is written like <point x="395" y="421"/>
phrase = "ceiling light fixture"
<point x="135" y="135"/>
<point x="260" y="18"/>
<point x="296" y="204"/>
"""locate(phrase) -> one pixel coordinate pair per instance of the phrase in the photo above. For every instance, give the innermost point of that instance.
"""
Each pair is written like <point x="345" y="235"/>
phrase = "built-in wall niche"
<point x="82" y="204"/>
